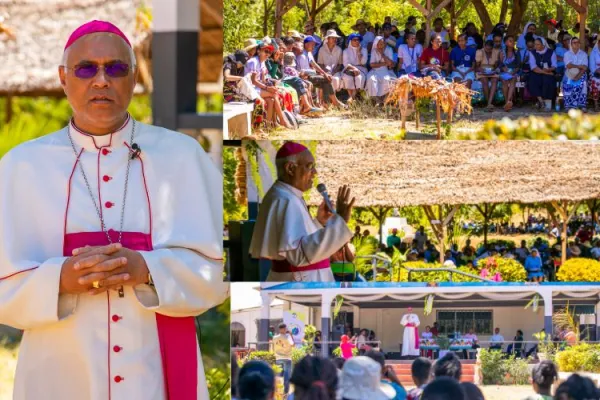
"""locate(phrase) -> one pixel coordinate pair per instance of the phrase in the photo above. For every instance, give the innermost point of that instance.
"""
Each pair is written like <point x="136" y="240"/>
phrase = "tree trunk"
<point x="518" y="10"/>
<point x="266" y="17"/>
<point x="503" y="11"/>
<point x="484" y="16"/>
<point x="560" y="11"/>
<point x="278" y="17"/>
<point x="593" y="206"/>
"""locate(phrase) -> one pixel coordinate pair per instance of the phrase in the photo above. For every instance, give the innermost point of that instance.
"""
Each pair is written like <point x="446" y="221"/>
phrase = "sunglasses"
<point x="114" y="69"/>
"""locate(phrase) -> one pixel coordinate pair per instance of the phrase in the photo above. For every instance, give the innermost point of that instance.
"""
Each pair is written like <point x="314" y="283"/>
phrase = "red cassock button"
<point x="109" y="204"/>
<point x="117" y="349"/>
<point x="118" y="378"/>
<point x="106" y="178"/>
<point x="105" y="151"/>
<point x="115" y="318"/>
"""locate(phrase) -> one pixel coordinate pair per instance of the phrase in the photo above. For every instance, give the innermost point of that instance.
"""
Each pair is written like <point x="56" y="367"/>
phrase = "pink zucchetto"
<point x="290" y="149"/>
<point x="95" y="27"/>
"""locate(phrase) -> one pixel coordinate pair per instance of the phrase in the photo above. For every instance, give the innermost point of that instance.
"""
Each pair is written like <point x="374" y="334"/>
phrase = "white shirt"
<point x="285" y="230"/>
<point x="330" y="58"/>
<point x="579" y="58"/>
<point x="304" y="60"/>
<point x="67" y="349"/>
<point x="410" y="56"/>
<point x="350" y="56"/>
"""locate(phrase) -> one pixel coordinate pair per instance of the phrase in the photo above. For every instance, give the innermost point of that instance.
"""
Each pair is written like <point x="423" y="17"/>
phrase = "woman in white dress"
<point x="355" y="58"/>
<point x="410" y="341"/>
<point x="381" y="76"/>
<point x="575" y="79"/>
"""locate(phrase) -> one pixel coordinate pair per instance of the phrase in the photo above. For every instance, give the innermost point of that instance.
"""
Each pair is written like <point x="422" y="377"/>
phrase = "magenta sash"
<point x="285" y="266"/>
<point x="416" y="334"/>
<point x="177" y="336"/>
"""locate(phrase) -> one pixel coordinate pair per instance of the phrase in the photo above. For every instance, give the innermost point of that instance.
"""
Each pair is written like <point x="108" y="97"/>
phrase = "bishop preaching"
<point x="110" y="242"/>
<point x="298" y="245"/>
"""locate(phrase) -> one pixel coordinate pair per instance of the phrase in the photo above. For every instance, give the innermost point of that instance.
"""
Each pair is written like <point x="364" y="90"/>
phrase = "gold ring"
<point x="96" y="285"/>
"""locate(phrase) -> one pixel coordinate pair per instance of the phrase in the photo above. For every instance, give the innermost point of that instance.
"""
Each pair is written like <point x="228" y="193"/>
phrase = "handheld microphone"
<point x="323" y="190"/>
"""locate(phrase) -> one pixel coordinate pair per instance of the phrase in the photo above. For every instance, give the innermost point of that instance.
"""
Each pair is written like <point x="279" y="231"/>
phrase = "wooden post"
<point x="438" y="118"/>
<point x="417" y="117"/>
<point x="428" y="23"/>
<point x="8" y="108"/>
<point x="563" y="210"/>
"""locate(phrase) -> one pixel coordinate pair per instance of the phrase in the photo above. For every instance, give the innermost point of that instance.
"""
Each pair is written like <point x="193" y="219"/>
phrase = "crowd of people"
<point x="541" y="260"/>
<point x="302" y="74"/>
<point x="369" y="377"/>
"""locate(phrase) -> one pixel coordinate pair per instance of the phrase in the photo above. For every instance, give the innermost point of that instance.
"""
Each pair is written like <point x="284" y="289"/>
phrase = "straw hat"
<point x="359" y="22"/>
<point x="361" y="379"/>
<point x="250" y="44"/>
<point x="332" y="33"/>
<point x="295" y="34"/>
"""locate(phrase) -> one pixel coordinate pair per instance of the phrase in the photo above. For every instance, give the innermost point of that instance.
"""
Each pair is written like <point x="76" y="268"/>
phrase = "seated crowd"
<point x="299" y="75"/>
<point x="369" y="377"/>
<point x="541" y="261"/>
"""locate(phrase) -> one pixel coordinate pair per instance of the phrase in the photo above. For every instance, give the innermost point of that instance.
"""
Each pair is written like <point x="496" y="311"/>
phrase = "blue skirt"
<point x="575" y="92"/>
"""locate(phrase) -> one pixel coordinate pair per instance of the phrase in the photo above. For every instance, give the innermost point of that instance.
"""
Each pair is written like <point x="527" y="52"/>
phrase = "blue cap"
<point x="309" y="39"/>
<point x="354" y="35"/>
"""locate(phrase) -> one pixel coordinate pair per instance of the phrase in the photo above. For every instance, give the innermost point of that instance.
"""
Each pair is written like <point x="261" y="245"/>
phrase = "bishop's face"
<point x="302" y="173"/>
<point x="99" y="102"/>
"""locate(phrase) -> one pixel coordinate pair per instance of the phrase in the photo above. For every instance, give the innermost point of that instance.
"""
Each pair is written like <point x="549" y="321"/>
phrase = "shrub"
<point x="298" y="354"/>
<point x="266" y="356"/>
<point x="574" y="126"/>
<point x="496" y="370"/>
<point x="580" y="358"/>
<point x="510" y="244"/>
<point x="492" y="366"/>
<point x="579" y="270"/>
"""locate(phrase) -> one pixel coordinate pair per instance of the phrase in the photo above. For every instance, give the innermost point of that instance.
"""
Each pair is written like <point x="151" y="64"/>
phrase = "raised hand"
<point x="344" y="204"/>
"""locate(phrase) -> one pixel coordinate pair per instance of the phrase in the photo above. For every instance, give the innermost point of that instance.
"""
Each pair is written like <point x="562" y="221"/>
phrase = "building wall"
<point x="386" y="323"/>
<point x="249" y="316"/>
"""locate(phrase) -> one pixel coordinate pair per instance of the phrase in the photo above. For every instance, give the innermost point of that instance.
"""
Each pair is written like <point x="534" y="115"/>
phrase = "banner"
<point x="295" y="322"/>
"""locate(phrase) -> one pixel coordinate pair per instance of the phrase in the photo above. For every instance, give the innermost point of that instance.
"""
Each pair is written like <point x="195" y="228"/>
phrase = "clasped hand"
<point x="111" y="266"/>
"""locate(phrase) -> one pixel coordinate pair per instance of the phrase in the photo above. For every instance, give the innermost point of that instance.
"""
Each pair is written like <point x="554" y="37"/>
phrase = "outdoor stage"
<point x="379" y="307"/>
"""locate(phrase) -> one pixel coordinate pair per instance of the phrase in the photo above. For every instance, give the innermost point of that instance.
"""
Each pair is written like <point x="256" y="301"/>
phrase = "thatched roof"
<point x="403" y="173"/>
<point x="33" y="34"/>
<point x="37" y="32"/>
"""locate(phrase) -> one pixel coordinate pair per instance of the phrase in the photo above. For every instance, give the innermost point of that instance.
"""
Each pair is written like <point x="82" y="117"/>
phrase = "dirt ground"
<point x="363" y="121"/>
<point x="506" y="392"/>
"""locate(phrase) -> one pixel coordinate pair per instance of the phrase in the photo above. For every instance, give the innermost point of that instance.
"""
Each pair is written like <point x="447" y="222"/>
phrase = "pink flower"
<point x="497" y="277"/>
<point x="484" y="273"/>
